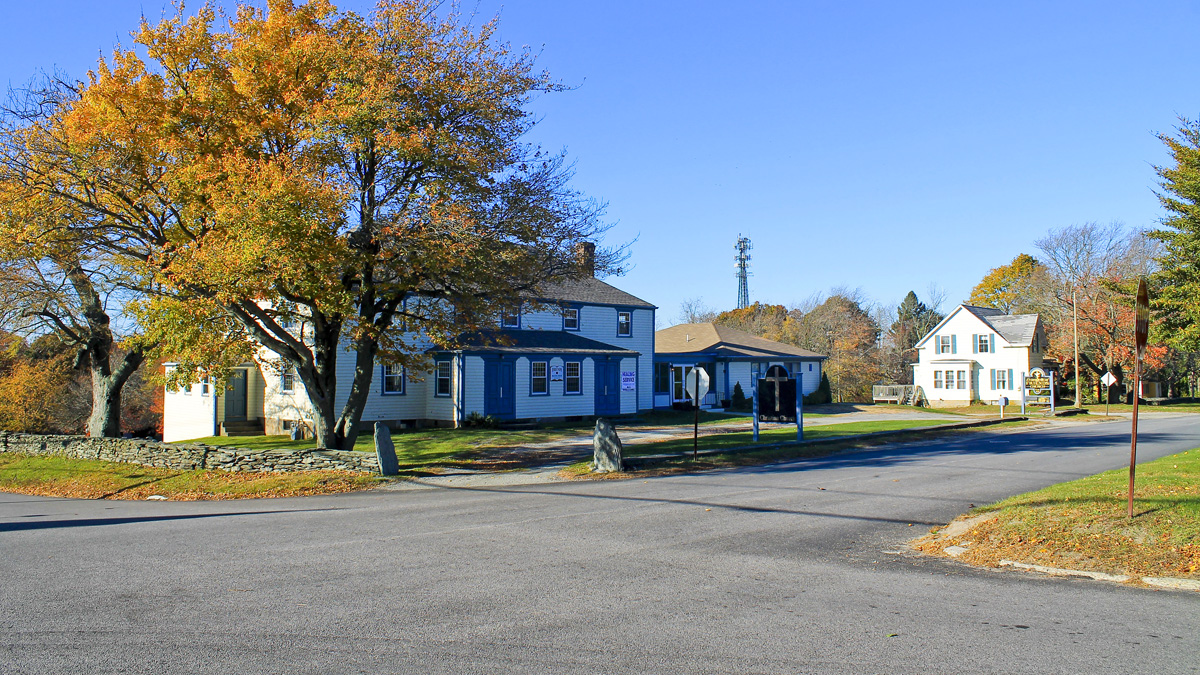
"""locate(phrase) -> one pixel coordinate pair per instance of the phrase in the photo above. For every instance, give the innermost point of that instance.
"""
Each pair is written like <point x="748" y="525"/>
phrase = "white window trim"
<point x="567" y="378"/>
<point x="384" y="375"/>
<point x="437" y="379"/>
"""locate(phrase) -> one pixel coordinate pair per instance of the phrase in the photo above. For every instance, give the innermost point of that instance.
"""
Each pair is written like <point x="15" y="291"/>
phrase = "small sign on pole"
<point x="1141" y="331"/>
<point x="1108" y="381"/>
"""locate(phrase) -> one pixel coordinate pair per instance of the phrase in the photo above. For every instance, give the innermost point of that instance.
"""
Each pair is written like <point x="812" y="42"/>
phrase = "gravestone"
<point x="606" y="448"/>
<point x="385" y="450"/>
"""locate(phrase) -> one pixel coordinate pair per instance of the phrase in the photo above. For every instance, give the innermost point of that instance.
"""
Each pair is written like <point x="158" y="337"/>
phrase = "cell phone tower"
<point x="743" y="247"/>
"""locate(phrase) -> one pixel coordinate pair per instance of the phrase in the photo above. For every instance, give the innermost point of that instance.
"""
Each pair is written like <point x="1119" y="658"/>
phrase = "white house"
<point x="979" y="354"/>
<point x="588" y="351"/>
<point x="731" y="357"/>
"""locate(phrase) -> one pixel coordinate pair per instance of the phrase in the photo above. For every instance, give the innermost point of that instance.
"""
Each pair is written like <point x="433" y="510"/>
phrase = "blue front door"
<point x="608" y="387"/>
<point x="499" y="389"/>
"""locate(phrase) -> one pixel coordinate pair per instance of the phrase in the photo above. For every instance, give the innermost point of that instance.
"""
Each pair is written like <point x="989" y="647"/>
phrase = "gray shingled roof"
<point x="1017" y="329"/>
<point x="535" y="342"/>
<point x="708" y="338"/>
<point x="589" y="290"/>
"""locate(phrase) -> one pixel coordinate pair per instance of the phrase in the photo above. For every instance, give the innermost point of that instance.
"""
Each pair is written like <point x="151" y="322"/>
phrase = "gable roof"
<point x="588" y="290"/>
<point x="695" y="338"/>
<point x="1017" y="329"/>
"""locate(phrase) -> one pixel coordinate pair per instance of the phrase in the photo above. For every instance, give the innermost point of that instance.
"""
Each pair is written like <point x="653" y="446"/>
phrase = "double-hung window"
<point x="393" y="379"/>
<point x="204" y="386"/>
<point x="945" y="344"/>
<point x="1001" y="379"/>
<point x="571" y="319"/>
<point x="962" y="379"/>
<point x="937" y="379"/>
<point x="574" y="383"/>
<point x="624" y="324"/>
<point x="442" y="379"/>
<point x="984" y="344"/>
<point x="287" y="381"/>
<point x="539" y="380"/>
<point x="949" y="379"/>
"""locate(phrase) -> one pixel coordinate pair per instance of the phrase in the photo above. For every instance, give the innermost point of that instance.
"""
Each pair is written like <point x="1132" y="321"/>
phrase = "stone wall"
<point x="186" y="456"/>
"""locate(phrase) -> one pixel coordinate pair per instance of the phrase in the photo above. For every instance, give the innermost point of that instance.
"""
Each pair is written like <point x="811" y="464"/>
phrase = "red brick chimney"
<point x="586" y="253"/>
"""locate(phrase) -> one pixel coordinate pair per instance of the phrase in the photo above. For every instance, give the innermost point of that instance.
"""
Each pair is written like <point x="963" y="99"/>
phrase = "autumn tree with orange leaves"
<point x="304" y="180"/>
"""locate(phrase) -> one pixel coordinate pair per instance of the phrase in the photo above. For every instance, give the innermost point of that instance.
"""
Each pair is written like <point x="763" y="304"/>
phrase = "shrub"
<point x="479" y="420"/>
<point x="823" y="394"/>
<point x="739" y="401"/>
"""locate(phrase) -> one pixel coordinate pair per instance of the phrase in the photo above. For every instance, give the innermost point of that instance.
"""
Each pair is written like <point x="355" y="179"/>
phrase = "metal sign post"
<point x="754" y="399"/>
<point x="799" y="403"/>
<point x="1141" y="330"/>
<point x="1108" y="381"/>
<point x="697" y="387"/>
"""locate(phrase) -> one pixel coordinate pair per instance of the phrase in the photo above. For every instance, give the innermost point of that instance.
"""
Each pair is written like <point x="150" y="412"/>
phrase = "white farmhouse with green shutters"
<point x="978" y="354"/>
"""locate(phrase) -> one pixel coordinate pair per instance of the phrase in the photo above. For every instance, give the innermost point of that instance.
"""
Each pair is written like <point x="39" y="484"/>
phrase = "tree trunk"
<point x="319" y="376"/>
<point x="107" y="385"/>
<point x="360" y="388"/>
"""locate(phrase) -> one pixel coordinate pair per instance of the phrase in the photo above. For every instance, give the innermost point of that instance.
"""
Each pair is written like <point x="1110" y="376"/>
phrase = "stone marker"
<point x="385" y="450"/>
<point x="606" y="447"/>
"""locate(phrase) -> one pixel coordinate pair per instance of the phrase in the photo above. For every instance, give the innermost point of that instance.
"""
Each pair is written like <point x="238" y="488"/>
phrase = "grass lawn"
<point x="91" y="479"/>
<point x="424" y="448"/>
<point x="721" y="441"/>
<point x="1083" y="525"/>
<point x="908" y="408"/>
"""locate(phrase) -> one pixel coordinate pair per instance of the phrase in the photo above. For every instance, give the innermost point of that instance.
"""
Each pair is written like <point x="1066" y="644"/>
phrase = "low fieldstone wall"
<point x="186" y="456"/>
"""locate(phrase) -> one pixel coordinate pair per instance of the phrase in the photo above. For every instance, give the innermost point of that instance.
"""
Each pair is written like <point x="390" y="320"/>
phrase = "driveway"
<point x="789" y="568"/>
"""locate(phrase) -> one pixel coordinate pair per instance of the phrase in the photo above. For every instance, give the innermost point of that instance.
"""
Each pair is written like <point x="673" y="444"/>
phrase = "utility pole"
<point x="1075" y="320"/>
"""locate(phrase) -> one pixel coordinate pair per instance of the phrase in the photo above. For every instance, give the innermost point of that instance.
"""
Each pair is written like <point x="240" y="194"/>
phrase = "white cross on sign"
<point x="697" y="383"/>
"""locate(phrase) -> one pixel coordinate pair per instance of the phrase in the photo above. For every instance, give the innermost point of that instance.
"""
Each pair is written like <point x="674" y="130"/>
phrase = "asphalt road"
<point x="747" y="571"/>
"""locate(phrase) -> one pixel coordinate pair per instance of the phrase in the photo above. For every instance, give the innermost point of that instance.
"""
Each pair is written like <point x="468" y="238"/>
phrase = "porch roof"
<point x="725" y="342"/>
<point x="534" y="342"/>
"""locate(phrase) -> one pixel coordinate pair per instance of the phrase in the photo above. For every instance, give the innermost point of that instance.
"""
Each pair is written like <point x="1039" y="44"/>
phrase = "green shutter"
<point x="1010" y="379"/>
<point x="974" y="344"/>
<point x="993" y="373"/>
<point x="953" y="344"/>
<point x="992" y="344"/>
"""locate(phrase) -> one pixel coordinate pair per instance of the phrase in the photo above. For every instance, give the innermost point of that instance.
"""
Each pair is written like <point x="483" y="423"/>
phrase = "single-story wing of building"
<point x="730" y="357"/>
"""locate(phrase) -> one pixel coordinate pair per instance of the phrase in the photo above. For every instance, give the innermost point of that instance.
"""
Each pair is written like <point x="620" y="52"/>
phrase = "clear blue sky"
<point x="880" y="145"/>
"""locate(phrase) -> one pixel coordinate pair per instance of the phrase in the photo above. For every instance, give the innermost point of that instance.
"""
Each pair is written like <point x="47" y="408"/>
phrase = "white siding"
<point x="188" y="416"/>
<point x="739" y="371"/>
<point x="964" y="326"/>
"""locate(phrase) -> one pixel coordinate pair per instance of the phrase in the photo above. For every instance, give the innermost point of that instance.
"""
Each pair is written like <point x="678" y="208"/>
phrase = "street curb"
<point x="1160" y="582"/>
<point x="897" y="433"/>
